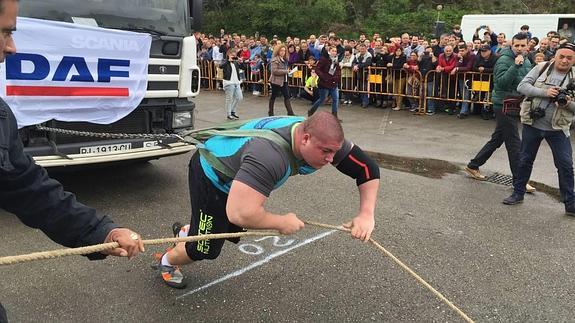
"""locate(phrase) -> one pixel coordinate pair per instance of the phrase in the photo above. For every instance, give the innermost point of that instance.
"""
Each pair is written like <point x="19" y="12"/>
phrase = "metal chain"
<point x="108" y="135"/>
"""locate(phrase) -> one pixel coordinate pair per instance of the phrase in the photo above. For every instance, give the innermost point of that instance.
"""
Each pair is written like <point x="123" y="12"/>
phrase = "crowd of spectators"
<point x="449" y="55"/>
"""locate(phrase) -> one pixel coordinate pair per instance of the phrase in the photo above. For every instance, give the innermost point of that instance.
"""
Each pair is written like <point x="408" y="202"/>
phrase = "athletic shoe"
<point x="430" y="113"/>
<point x="230" y="117"/>
<point x="235" y="116"/>
<point x="475" y="173"/>
<point x="171" y="275"/>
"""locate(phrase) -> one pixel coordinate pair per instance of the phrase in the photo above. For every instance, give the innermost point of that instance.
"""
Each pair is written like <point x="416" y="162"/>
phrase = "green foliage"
<point x="349" y="18"/>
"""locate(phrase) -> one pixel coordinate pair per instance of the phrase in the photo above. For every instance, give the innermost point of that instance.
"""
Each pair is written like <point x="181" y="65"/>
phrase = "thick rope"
<point x="11" y="260"/>
<point x="404" y="267"/>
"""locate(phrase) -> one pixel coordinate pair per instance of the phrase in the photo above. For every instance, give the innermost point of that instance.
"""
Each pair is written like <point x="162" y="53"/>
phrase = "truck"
<point x="173" y="81"/>
<point x="539" y="24"/>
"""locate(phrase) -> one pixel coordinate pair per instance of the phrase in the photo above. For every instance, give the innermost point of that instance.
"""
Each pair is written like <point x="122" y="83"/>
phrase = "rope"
<point x="404" y="267"/>
<point x="11" y="260"/>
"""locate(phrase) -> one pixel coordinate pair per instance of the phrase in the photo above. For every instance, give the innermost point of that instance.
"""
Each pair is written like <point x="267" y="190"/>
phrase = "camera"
<point x="537" y="113"/>
<point x="561" y="98"/>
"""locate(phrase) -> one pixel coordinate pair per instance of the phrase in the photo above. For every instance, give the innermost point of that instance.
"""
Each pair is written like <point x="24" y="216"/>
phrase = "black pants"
<point x="3" y="317"/>
<point x="208" y="214"/>
<point x="506" y="131"/>
<point x="277" y="90"/>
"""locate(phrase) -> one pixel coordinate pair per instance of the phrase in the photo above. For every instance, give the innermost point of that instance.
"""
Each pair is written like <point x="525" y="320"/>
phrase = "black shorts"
<point x="208" y="214"/>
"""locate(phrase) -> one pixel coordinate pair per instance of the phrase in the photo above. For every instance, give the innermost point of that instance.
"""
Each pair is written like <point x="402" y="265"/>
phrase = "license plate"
<point x="105" y="148"/>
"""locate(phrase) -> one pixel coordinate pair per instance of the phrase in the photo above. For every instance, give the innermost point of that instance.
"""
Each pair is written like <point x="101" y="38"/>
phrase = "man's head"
<point x="448" y="50"/>
<point x="565" y="57"/>
<point x="544" y="44"/>
<point x="554" y="42"/>
<point x="318" y="138"/>
<point x="476" y="44"/>
<point x="501" y="38"/>
<point x="519" y="44"/>
<point x="462" y="49"/>
<point x="8" y="13"/>
<point x="485" y="50"/>
<point x="405" y="39"/>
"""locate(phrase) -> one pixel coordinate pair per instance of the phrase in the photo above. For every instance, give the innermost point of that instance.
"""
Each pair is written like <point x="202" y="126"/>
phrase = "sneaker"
<point x="396" y="109"/>
<point x="230" y="117"/>
<point x="413" y="109"/>
<point x="256" y="93"/>
<point x="235" y="116"/>
<point x="475" y="173"/>
<point x="171" y="275"/>
<point x="513" y="199"/>
<point x="530" y="189"/>
<point x="430" y="113"/>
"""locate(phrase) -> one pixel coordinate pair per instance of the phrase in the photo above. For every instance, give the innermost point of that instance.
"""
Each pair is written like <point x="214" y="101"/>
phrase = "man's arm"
<point x="526" y="87"/>
<point x="365" y="171"/>
<point x="245" y="208"/>
<point x="40" y="202"/>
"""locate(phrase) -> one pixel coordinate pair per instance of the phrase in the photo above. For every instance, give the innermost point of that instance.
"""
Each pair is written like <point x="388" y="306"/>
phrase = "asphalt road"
<point x="495" y="262"/>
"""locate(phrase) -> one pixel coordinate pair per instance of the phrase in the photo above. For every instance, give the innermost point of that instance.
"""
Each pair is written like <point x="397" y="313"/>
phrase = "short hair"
<point x="526" y="27"/>
<point x="518" y="36"/>
<point x="539" y="55"/>
<point x="536" y="40"/>
<point x="324" y="125"/>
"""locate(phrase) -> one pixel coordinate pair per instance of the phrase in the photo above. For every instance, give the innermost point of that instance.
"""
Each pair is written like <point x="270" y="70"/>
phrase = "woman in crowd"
<point x="278" y="79"/>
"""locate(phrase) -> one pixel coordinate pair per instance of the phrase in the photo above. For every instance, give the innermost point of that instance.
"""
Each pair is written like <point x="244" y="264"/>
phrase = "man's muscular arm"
<point x="366" y="173"/>
<point x="245" y="208"/>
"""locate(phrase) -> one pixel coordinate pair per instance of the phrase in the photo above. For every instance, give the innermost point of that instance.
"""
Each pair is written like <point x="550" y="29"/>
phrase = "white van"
<point x="539" y="25"/>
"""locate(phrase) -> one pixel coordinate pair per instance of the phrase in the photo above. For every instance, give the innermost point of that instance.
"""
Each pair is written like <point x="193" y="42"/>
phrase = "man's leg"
<point x="563" y="158"/>
<point x="495" y="142"/>
<point x="532" y="138"/>
<point x="208" y="217"/>
<point x="3" y="316"/>
<point x="334" y="99"/>
<point x="322" y="95"/>
<point x="512" y="142"/>
<point x="229" y="90"/>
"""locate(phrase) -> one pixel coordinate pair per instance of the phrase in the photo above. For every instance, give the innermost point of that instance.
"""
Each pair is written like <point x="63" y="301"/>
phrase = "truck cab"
<point x="172" y="82"/>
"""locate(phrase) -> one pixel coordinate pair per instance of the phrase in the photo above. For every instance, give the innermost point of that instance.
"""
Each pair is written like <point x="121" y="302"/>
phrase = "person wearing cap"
<point x="484" y="63"/>
<point x="543" y="88"/>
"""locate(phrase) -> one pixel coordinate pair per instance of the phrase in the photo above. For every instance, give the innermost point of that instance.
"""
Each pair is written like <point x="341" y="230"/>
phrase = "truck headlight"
<point x="182" y="119"/>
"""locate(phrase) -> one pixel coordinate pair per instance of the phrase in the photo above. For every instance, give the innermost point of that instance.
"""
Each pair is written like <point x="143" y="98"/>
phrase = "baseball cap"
<point x="567" y="45"/>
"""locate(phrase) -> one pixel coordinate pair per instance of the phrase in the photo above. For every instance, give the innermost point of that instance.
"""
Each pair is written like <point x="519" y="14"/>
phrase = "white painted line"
<point x="257" y="263"/>
<point x="384" y="121"/>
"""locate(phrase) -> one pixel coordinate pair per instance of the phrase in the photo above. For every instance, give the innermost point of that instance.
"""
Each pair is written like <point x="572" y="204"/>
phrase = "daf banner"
<point x="71" y="72"/>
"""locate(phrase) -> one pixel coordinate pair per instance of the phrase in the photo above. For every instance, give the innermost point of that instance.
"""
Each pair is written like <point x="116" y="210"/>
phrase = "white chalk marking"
<point x="257" y="264"/>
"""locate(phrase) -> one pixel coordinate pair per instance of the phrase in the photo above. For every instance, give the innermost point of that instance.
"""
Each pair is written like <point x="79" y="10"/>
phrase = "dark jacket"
<point x="426" y="64"/>
<point x="362" y="62"/>
<point x="39" y="201"/>
<point x="227" y="67"/>
<point x="506" y="77"/>
<point x="326" y="80"/>
<point x="487" y="63"/>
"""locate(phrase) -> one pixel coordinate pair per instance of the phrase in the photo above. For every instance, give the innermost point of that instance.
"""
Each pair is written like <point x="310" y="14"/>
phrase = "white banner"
<point x="71" y="72"/>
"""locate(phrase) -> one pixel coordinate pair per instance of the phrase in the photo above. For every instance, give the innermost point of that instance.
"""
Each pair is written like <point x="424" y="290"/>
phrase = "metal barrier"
<point x="383" y="82"/>
<point x="465" y="88"/>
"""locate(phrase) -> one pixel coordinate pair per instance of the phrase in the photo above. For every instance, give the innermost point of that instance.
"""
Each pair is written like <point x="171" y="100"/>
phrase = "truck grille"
<point x="136" y="122"/>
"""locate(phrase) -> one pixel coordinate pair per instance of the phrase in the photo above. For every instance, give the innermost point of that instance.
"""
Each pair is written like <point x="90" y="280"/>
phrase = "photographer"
<point x="547" y="113"/>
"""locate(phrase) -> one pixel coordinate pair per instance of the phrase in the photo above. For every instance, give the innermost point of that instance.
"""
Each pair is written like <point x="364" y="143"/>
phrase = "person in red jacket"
<point x="329" y="74"/>
<point x="446" y="63"/>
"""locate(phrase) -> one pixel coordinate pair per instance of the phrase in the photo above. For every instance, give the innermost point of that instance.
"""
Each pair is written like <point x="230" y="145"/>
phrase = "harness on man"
<point x="233" y="129"/>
